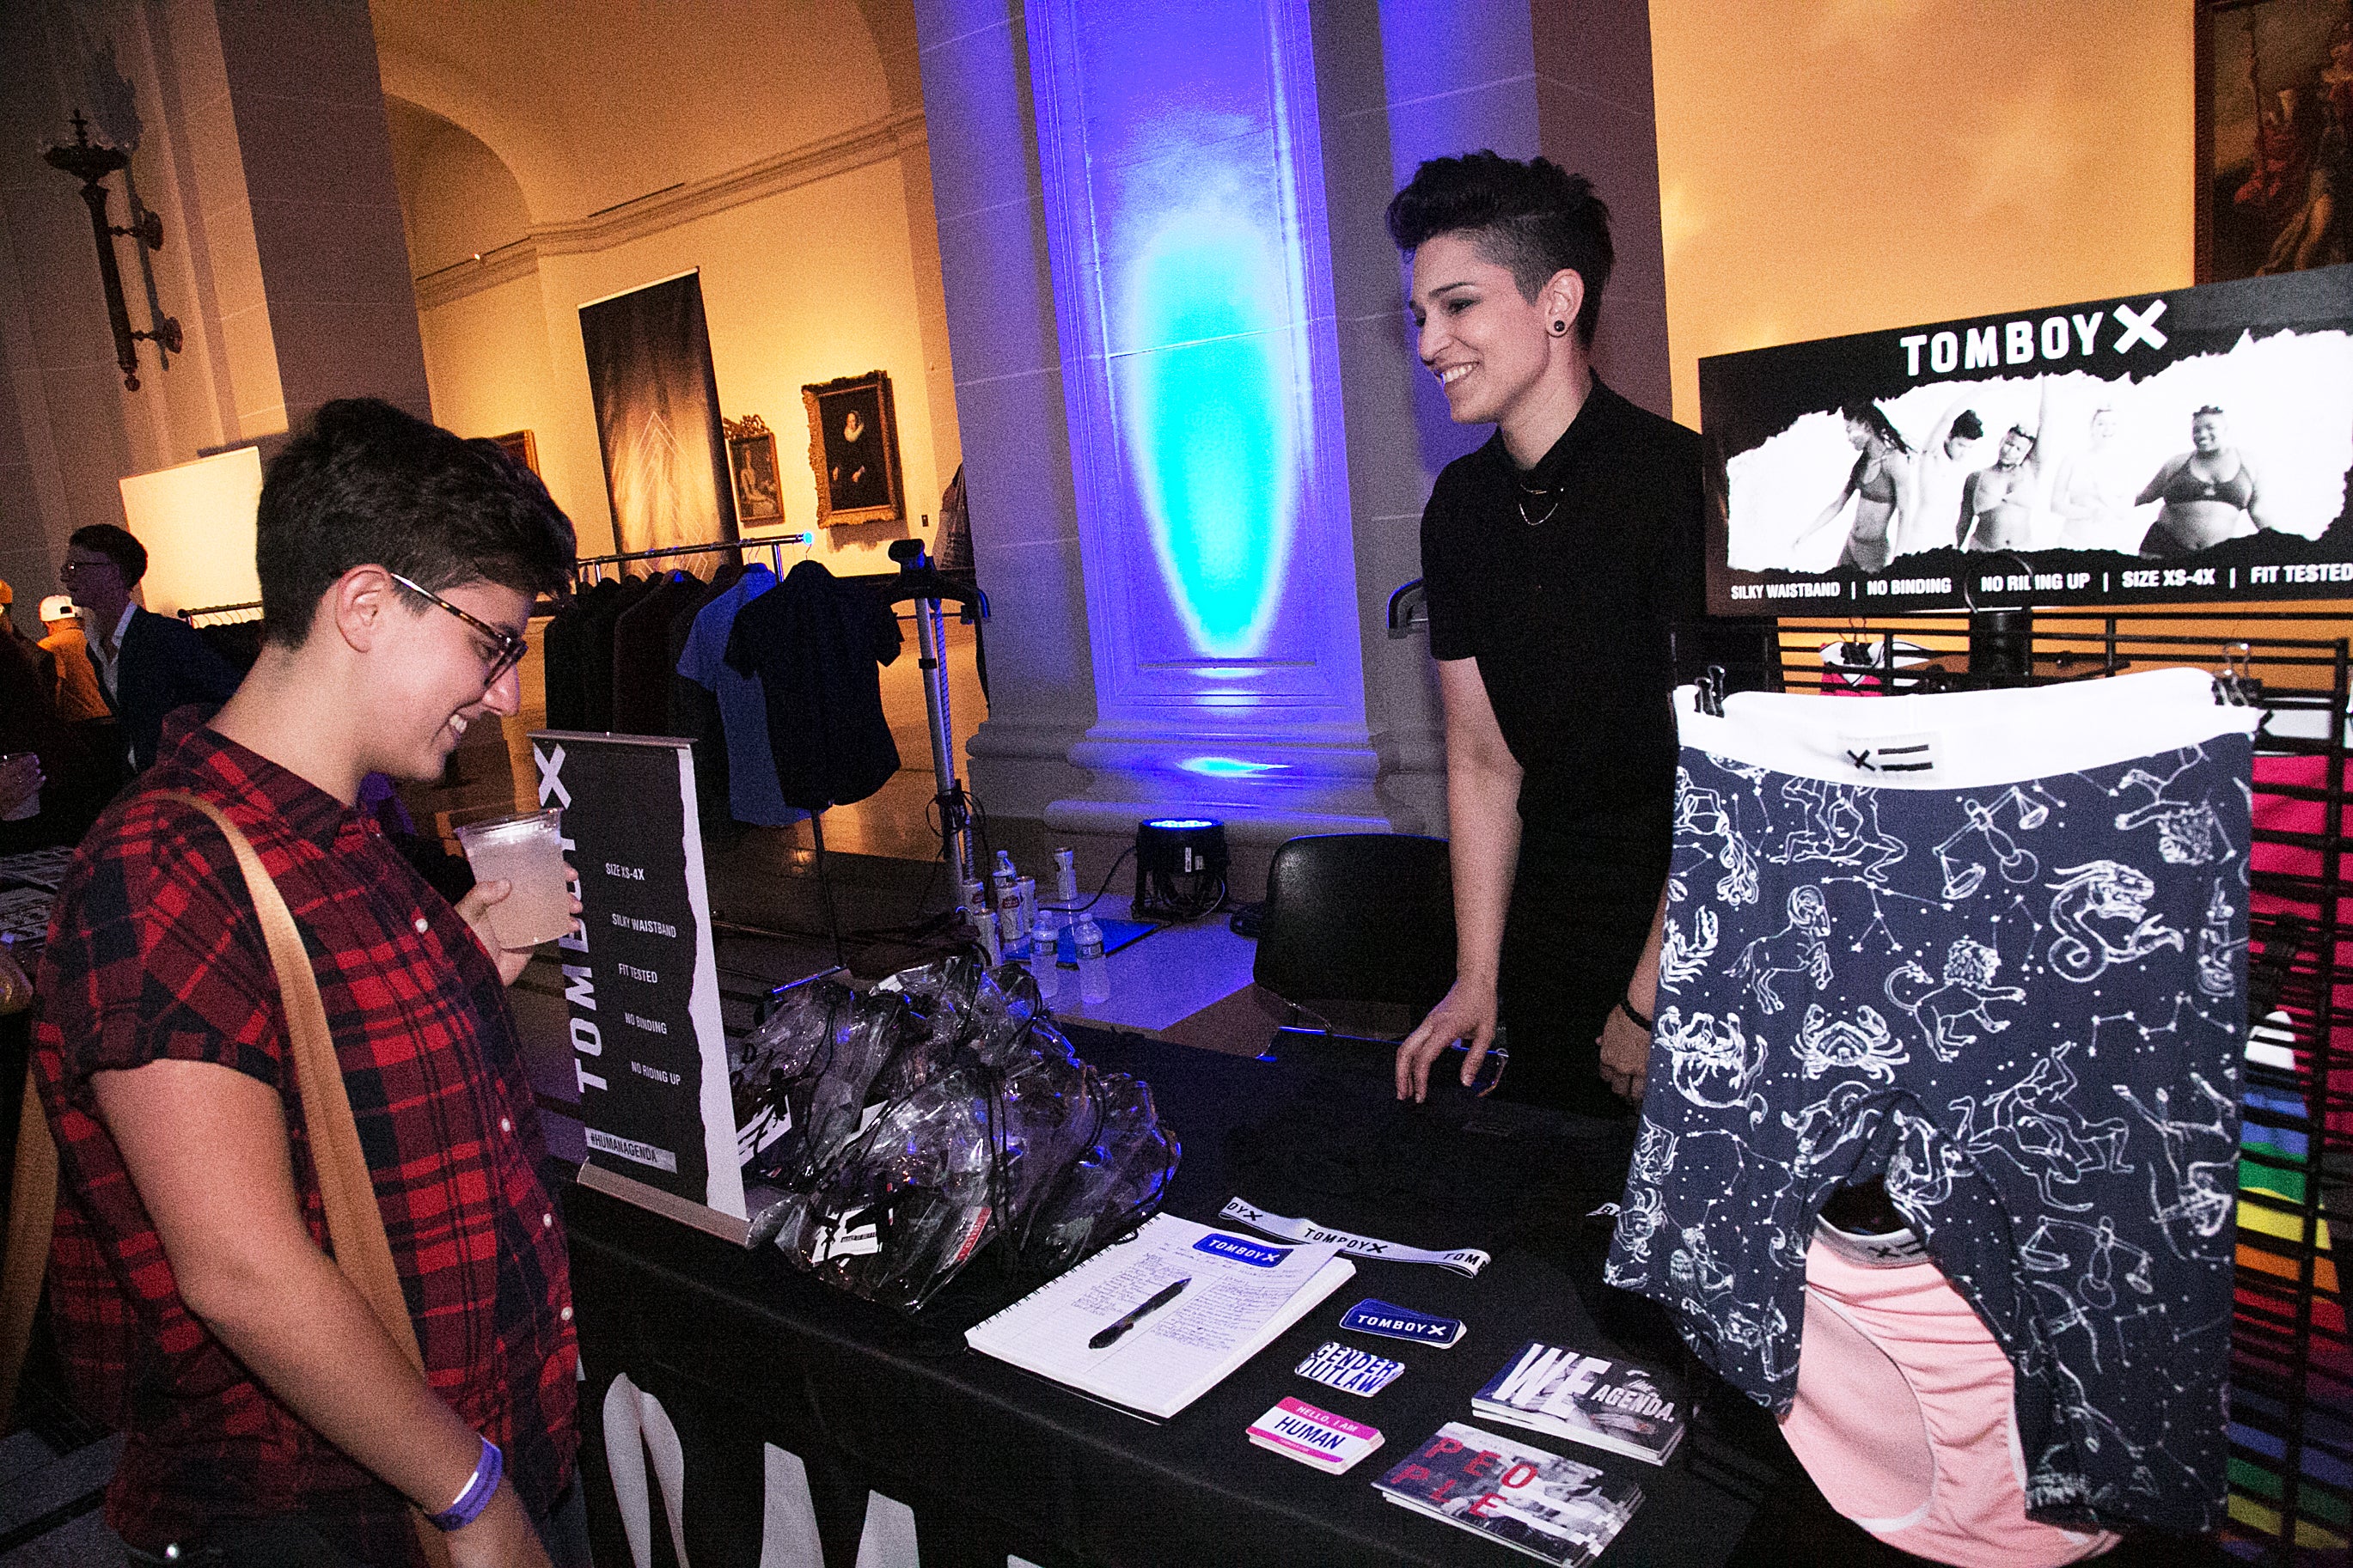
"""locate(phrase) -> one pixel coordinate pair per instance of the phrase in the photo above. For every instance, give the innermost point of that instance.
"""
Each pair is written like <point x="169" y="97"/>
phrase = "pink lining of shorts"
<point x="1903" y="1418"/>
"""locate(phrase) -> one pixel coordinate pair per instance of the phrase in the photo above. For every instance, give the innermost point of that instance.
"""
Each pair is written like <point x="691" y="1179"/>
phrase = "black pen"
<point x="1160" y="1299"/>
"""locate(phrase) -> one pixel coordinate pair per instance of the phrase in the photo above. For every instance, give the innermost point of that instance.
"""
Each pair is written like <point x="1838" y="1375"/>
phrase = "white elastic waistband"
<point x="1964" y="740"/>
<point x="1895" y="1249"/>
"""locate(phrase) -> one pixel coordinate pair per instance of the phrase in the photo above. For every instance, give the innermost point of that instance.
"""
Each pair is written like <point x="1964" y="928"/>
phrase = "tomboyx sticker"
<point x="1393" y="1321"/>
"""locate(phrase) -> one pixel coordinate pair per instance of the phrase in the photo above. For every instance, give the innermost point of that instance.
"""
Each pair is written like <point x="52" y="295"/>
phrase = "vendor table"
<point x="742" y="1350"/>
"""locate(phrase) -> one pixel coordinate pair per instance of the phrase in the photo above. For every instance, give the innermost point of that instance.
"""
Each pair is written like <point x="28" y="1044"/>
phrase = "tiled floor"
<point x="49" y="1501"/>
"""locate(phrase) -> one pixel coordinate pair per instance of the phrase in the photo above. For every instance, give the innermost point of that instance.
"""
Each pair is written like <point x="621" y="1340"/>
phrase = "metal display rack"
<point x="591" y="567"/>
<point x="2291" y="1389"/>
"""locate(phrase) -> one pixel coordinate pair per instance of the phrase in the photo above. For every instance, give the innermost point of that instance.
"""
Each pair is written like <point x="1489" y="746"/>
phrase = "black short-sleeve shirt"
<point x="1569" y="615"/>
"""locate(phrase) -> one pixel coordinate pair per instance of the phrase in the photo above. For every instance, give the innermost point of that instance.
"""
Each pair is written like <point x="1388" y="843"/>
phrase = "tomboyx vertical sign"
<point x="641" y="977"/>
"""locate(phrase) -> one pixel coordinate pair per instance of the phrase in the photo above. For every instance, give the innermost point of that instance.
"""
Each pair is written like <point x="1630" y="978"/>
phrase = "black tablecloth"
<point x="741" y="1348"/>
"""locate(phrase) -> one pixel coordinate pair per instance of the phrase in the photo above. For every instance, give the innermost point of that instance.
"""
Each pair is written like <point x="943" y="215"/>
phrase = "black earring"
<point x="1559" y="328"/>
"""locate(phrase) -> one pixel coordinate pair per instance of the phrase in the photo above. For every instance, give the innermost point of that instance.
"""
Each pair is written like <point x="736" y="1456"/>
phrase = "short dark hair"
<point x="367" y="482"/>
<point x="1536" y="218"/>
<point x="118" y="544"/>
<point x="1968" y="426"/>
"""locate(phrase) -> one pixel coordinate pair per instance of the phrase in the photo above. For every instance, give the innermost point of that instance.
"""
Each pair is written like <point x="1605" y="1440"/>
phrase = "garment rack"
<point x="221" y="615"/>
<point x="2291" y="1376"/>
<point x="594" y="565"/>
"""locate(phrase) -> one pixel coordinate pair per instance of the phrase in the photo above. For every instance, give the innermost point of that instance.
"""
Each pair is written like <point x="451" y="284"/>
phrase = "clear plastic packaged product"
<point x="934" y="1114"/>
<point x="1113" y="1186"/>
<point x="909" y="1202"/>
<point x="827" y="1102"/>
<point x="1053" y="1111"/>
<point x="782" y="1048"/>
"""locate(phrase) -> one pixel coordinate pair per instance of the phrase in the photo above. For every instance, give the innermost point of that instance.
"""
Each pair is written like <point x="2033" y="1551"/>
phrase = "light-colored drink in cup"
<point x="528" y="851"/>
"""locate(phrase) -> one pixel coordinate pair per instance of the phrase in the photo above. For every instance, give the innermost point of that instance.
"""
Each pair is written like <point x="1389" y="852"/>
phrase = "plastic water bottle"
<point x="1066" y="879"/>
<point x="1094" y="970"/>
<point x="1045" y="940"/>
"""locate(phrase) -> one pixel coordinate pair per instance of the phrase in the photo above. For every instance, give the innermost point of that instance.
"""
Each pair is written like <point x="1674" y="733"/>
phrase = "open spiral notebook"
<point x="1238" y="1294"/>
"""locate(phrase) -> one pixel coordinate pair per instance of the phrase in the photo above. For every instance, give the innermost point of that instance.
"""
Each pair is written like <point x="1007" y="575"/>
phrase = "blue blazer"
<point x="164" y="664"/>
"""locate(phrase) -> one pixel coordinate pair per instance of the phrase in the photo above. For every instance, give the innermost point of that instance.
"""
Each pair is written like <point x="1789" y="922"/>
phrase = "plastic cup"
<point x="526" y="849"/>
<point x="31" y="808"/>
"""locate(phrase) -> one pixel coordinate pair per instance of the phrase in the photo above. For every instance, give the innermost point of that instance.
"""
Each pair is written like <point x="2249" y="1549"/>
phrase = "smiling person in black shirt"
<point x="1555" y="558"/>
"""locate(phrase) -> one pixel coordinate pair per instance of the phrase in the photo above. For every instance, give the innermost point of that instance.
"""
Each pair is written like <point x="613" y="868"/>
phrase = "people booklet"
<point x="1530" y="1499"/>
<point x="1154" y="1322"/>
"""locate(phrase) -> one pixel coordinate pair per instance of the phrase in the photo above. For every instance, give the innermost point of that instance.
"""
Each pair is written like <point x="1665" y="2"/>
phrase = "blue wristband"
<point x="477" y="1495"/>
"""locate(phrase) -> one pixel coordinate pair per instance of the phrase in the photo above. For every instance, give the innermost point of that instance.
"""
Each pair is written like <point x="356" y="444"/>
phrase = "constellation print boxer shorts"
<point x="1990" y="946"/>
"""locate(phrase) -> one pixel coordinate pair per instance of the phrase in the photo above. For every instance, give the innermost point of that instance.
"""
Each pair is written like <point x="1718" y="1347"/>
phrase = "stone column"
<point x="310" y="262"/>
<point x="1181" y="159"/>
<point x="1196" y="436"/>
<point x="1008" y="398"/>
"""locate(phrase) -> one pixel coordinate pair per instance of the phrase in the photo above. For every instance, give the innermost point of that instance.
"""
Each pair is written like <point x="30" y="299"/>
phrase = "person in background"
<point x="1998" y="502"/>
<point x="2094" y="494"/>
<point x="20" y="780"/>
<point x="147" y="664"/>
<point x="1556" y="558"/>
<point x="271" y="1416"/>
<point x="29" y="734"/>
<point x="1947" y="460"/>
<point x="34" y="743"/>
<point x="1881" y="486"/>
<point x="42" y="767"/>
<point x="43" y="662"/>
<point x="79" y="697"/>
<point x="2210" y="493"/>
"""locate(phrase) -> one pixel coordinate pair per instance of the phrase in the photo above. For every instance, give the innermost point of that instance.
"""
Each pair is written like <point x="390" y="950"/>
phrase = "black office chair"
<point x="1358" y="932"/>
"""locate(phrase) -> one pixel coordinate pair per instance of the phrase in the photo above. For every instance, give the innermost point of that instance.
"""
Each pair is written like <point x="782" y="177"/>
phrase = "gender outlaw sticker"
<point x="1349" y="1370"/>
<point x="1462" y="1260"/>
<point x="1393" y="1321"/>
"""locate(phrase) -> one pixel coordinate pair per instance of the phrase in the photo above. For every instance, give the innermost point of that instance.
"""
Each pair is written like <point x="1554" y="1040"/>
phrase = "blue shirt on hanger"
<point x="753" y="793"/>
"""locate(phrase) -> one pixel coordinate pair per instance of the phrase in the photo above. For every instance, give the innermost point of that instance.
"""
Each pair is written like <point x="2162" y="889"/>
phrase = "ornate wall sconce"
<point x="90" y="163"/>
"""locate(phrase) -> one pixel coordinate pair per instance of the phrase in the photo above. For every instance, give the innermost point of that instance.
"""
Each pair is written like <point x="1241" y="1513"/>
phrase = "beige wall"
<point x="788" y="303"/>
<point x="1831" y="166"/>
<point x="808" y="214"/>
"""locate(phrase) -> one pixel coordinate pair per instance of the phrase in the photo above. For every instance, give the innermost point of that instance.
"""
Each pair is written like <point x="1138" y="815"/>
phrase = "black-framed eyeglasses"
<point x="73" y="568"/>
<point x="510" y="648"/>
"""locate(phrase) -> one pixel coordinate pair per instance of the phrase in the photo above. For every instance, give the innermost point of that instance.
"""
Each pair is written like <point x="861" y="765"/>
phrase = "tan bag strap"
<point x="32" y="1214"/>
<point x="354" y="1222"/>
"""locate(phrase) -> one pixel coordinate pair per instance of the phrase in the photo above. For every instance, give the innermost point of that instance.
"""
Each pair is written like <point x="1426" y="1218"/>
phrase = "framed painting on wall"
<point x="854" y="449"/>
<point x="2274" y="118"/>
<point x="752" y="461"/>
<point x="520" y="446"/>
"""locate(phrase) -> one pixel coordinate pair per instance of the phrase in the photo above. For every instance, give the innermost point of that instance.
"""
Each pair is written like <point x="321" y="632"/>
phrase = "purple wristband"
<point x="477" y="1495"/>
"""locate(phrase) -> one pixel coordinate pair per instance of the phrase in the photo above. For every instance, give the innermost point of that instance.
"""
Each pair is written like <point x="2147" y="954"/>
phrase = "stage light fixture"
<point x="1180" y="867"/>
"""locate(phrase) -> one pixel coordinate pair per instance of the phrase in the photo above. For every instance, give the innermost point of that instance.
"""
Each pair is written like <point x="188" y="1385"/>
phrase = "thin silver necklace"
<point x="1527" y="489"/>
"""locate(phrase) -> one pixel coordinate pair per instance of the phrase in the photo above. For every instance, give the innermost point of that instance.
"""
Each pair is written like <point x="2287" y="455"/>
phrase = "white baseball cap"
<point x="57" y="607"/>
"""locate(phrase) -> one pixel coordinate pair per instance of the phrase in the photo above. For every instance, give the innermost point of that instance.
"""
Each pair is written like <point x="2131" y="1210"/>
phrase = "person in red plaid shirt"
<point x="269" y="1417"/>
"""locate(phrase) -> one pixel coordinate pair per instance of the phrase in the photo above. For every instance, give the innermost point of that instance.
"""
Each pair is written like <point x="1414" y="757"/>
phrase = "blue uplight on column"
<point x="1210" y="425"/>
